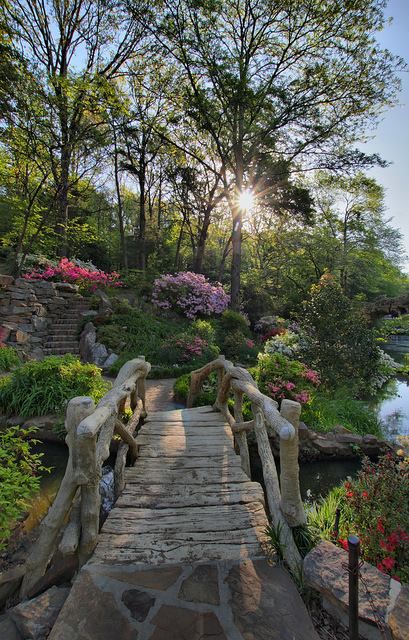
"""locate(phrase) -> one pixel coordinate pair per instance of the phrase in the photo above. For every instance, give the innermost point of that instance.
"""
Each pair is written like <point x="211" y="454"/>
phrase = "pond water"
<point x="392" y="403"/>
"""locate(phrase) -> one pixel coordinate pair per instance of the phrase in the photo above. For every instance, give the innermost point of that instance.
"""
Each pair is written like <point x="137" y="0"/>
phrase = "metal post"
<point x="353" y="572"/>
<point x="336" y="523"/>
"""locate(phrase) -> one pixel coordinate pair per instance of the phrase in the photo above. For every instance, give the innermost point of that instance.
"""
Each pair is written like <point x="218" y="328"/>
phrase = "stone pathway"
<point x="249" y="600"/>
<point x="159" y="395"/>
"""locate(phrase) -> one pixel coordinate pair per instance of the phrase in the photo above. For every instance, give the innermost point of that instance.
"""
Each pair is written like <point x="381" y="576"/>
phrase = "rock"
<point x="8" y="630"/>
<point x="112" y="358"/>
<point x="46" y="422"/>
<point x="327" y="445"/>
<point x="61" y="572"/>
<point x="138" y="602"/>
<point x="91" y="613"/>
<point x="66" y="287"/>
<point x="201" y="585"/>
<point x="105" y="306"/>
<point x="340" y="429"/>
<point x="35" y="618"/>
<point x="22" y="337"/>
<point x="15" y="421"/>
<point x="175" y="623"/>
<point x="6" y="281"/>
<point x="398" y="619"/>
<point x="9" y="583"/>
<point x="87" y="341"/>
<point x="99" y="354"/>
<point x="39" y="324"/>
<point x="266" y="604"/>
<point x="325" y="571"/>
<point x="37" y="353"/>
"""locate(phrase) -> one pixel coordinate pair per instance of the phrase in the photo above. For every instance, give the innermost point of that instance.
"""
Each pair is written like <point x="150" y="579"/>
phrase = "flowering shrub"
<point x="190" y="348"/>
<point x="375" y="506"/>
<point x="189" y="293"/>
<point x="286" y="342"/>
<point x="68" y="271"/>
<point x="271" y="333"/>
<point x="282" y="378"/>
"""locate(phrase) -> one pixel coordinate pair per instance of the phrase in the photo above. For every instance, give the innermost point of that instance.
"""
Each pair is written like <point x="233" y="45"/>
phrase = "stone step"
<point x="61" y="331"/>
<point x="62" y="344"/>
<point x="61" y="339"/>
<point x="60" y="352"/>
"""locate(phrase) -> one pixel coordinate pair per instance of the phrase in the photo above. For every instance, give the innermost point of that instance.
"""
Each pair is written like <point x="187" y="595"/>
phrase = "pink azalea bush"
<point x="67" y="271"/>
<point x="280" y="377"/>
<point x="189" y="293"/>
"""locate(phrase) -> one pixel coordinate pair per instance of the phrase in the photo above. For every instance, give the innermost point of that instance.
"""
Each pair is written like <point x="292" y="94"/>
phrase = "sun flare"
<point x="246" y="200"/>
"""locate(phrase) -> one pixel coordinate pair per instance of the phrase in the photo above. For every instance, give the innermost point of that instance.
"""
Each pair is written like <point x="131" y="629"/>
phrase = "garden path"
<point x="180" y="556"/>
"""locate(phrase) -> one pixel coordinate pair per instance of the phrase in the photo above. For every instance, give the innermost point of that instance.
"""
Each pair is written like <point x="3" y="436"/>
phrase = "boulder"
<point x="112" y="358"/>
<point x="325" y="571"/>
<point x="9" y="583"/>
<point x="105" y="306"/>
<point x="8" y="630"/>
<point x="35" y="618"/>
<point x="99" y="354"/>
<point x="87" y="341"/>
<point x="66" y="287"/>
<point x="22" y="337"/>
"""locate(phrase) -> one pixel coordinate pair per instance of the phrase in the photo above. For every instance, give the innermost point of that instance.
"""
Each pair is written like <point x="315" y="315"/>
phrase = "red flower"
<point x="347" y="485"/>
<point x="365" y="495"/>
<point x="380" y="567"/>
<point x="344" y="543"/>
<point x="350" y="494"/>
<point x="388" y="563"/>
<point x="379" y="526"/>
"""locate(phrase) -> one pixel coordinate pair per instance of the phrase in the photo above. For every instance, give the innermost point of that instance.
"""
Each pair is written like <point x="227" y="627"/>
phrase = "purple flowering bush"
<point x="190" y="294"/>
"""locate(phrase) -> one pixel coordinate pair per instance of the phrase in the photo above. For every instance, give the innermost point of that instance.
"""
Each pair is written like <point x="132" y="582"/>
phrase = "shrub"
<point x="374" y="506"/>
<point x="280" y="377"/>
<point x="190" y="294"/>
<point x="238" y="347"/>
<point x="76" y="273"/>
<point x="9" y="358"/>
<point x="19" y="467"/>
<point x="285" y="342"/>
<point x="335" y="338"/>
<point x="231" y="321"/>
<point x="325" y="412"/>
<point x="38" y="388"/>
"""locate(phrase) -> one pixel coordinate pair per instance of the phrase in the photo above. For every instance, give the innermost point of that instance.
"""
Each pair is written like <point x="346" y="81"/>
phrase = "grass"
<point x="323" y="413"/>
<point x="9" y="359"/>
<point x="39" y="388"/>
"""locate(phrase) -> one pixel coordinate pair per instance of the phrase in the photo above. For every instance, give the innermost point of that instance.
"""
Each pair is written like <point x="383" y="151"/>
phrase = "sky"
<point x="391" y="138"/>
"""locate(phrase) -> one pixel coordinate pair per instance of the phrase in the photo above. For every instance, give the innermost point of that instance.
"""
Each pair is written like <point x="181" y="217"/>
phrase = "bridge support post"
<point x="291" y="503"/>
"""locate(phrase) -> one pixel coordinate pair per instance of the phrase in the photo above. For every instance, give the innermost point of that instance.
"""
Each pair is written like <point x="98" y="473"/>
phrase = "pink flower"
<point x="302" y="397"/>
<point x="289" y="386"/>
<point x="250" y="343"/>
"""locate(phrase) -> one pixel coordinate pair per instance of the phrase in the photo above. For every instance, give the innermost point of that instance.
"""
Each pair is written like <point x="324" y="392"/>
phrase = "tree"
<point x="73" y="48"/>
<point x="288" y="79"/>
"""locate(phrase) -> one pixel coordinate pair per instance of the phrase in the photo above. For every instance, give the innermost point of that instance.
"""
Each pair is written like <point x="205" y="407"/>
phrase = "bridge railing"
<point x="90" y="430"/>
<point x="284" y="497"/>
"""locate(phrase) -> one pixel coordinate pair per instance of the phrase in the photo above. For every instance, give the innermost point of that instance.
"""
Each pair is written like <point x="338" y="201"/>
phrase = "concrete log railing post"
<point x="285" y="505"/>
<point x="77" y="504"/>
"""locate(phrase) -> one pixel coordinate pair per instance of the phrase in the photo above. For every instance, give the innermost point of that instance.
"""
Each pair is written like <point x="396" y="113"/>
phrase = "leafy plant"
<point x="19" y="480"/>
<point x="280" y="377"/>
<point x="324" y="412"/>
<point x="374" y="506"/>
<point x="9" y="358"/>
<point x="38" y="388"/>
<point x="274" y="535"/>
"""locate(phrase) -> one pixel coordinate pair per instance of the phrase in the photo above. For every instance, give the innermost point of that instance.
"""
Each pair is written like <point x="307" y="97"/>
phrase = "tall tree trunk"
<point x="236" y="234"/>
<point x="176" y="263"/>
<point x="124" y="248"/>
<point x="142" y="211"/>
<point x="62" y="203"/>
<point x="201" y="243"/>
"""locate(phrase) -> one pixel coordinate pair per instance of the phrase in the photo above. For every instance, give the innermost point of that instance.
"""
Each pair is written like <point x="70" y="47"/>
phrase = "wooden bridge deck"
<point x="186" y="499"/>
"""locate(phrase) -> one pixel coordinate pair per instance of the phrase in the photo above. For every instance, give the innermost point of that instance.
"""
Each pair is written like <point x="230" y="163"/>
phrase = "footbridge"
<point x="182" y="555"/>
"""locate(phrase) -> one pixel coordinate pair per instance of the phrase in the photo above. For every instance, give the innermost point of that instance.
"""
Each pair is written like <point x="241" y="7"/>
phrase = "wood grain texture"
<point x="187" y="498"/>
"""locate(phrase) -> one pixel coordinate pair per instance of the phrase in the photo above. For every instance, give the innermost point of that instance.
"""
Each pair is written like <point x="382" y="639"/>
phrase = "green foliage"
<point x="335" y="338"/>
<point x="9" y="358"/>
<point x="374" y="506"/>
<point x="324" y="412"/>
<point x="280" y="377"/>
<point x="274" y="535"/>
<point x="19" y="467"/>
<point x="38" y="388"/>
<point x="231" y="321"/>
<point x="393" y="326"/>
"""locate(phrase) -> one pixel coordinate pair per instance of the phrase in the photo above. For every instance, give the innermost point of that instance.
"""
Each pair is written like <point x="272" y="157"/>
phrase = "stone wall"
<point x="28" y="309"/>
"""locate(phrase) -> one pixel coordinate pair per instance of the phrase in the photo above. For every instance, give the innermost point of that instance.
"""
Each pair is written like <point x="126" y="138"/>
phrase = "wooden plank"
<point x="207" y="418"/>
<point x="181" y="440"/>
<point x="187" y="476"/>
<point x="116" y="552"/>
<point x="177" y="428"/>
<point x="159" y="451"/>
<point x="216" y="516"/>
<point x="162" y="499"/>
<point x="230" y="459"/>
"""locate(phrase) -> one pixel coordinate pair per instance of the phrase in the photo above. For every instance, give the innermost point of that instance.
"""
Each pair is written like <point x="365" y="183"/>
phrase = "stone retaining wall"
<point x="28" y="309"/>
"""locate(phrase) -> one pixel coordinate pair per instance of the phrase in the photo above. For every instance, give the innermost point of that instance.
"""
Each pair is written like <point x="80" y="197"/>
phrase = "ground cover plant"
<point x="19" y="479"/>
<point x="374" y="506"/>
<point x="38" y="388"/>
<point x="9" y="358"/>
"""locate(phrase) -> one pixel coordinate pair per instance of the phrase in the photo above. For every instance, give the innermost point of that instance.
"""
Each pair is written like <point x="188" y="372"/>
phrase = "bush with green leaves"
<point x="336" y="339"/>
<point x="281" y="377"/>
<point x="37" y="388"/>
<point x="9" y="358"/>
<point x="19" y="480"/>
<point x="231" y="321"/>
<point x="326" y="411"/>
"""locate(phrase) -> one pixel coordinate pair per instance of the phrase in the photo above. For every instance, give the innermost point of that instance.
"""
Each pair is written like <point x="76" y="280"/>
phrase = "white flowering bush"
<point x="288" y="344"/>
<point x="386" y="368"/>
